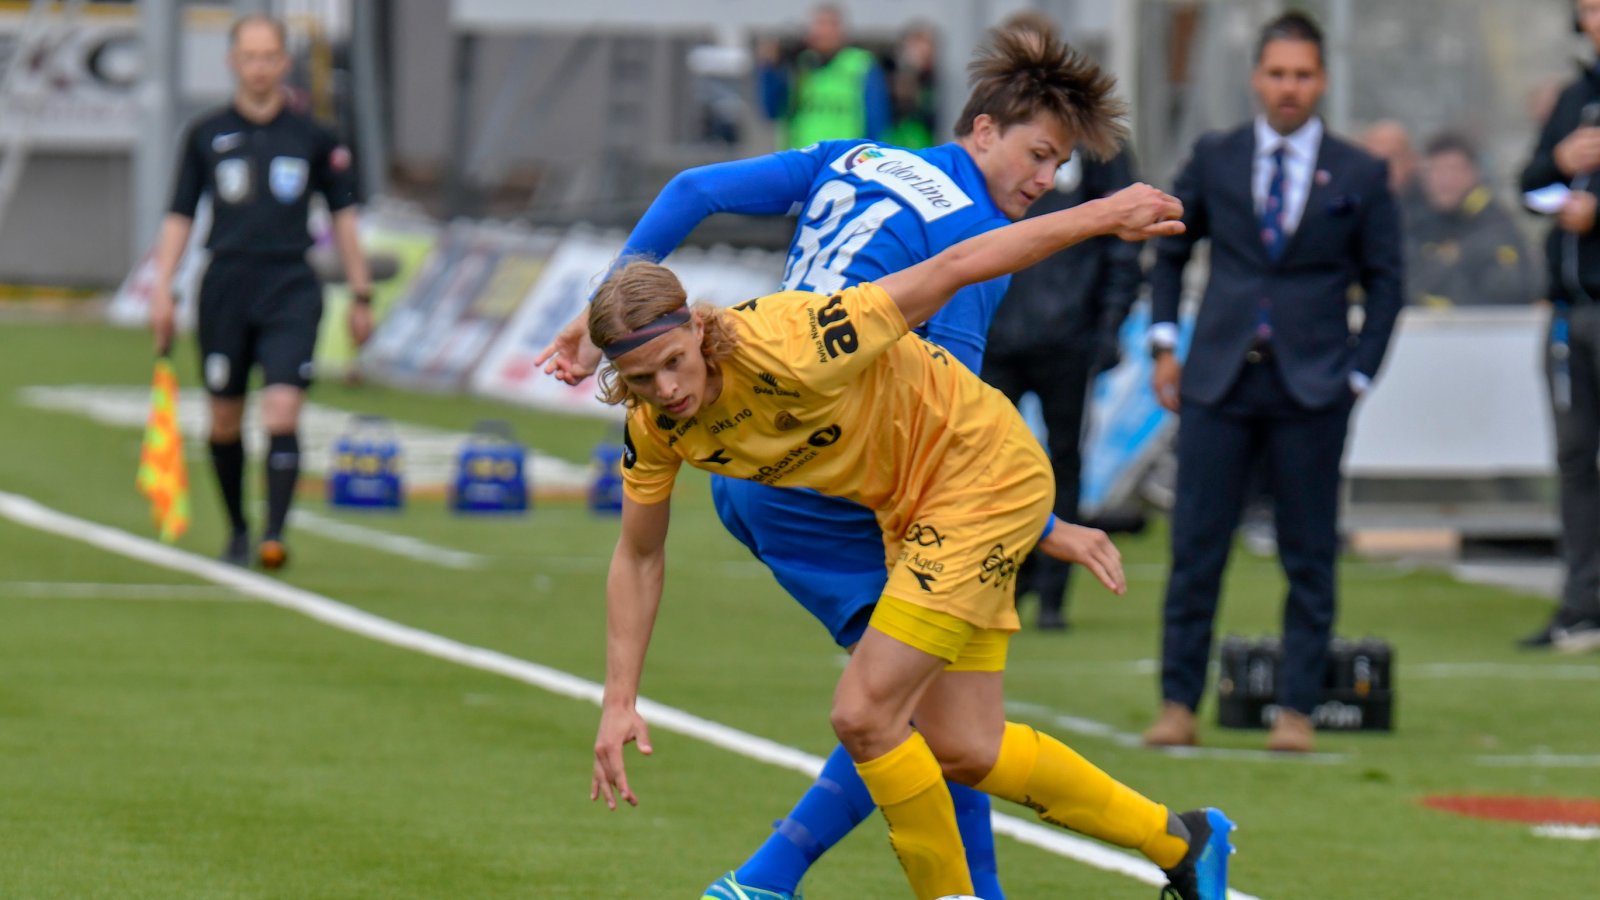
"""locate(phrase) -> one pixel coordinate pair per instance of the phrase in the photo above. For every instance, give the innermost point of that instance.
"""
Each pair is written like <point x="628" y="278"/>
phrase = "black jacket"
<point x="1075" y="301"/>
<point x="1348" y="237"/>
<point x="1573" y="260"/>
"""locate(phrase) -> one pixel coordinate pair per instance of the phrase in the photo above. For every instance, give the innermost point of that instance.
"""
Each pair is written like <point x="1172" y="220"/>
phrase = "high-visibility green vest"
<point x="828" y="102"/>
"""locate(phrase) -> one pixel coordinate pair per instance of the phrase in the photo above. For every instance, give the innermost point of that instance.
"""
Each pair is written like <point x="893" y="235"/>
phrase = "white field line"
<point x="1568" y="832"/>
<point x="1544" y="761"/>
<point x="383" y="541"/>
<point x="1503" y="671"/>
<point x="83" y="590"/>
<point x="347" y="618"/>
<point x="1091" y="728"/>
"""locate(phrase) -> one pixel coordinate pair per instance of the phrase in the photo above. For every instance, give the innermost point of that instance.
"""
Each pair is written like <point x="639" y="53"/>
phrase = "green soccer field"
<point x="163" y="735"/>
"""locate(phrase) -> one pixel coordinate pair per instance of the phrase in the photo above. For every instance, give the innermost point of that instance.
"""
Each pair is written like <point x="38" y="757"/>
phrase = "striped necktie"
<point x="1272" y="233"/>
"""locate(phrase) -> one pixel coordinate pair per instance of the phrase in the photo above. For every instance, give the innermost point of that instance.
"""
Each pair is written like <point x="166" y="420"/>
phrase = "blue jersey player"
<point x="866" y="210"/>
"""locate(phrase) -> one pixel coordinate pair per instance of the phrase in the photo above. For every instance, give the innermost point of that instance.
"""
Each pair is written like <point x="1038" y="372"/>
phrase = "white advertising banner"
<point x="719" y="276"/>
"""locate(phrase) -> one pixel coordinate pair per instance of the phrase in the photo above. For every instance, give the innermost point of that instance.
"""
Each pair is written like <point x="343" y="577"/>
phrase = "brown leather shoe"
<point x="1173" y="727"/>
<point x="1292" y="732"/>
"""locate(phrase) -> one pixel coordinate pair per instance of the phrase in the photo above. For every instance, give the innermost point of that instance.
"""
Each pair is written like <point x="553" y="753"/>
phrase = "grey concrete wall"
<point x="69" y="222"/>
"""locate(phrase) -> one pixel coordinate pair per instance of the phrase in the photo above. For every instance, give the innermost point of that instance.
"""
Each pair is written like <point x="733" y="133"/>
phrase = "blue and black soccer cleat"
<point x="728" y="888"/>
<point x="1203" y="873"/>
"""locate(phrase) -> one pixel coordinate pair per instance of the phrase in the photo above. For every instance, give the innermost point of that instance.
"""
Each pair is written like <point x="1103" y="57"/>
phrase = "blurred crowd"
<point x="1466" y="243"/>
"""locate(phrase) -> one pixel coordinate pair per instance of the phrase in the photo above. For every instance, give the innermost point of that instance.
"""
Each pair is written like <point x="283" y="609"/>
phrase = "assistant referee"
<point x="260" y="302"/>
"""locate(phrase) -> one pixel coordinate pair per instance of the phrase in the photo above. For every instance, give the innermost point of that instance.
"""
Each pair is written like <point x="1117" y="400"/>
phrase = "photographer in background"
<point x="1568" y="153"/>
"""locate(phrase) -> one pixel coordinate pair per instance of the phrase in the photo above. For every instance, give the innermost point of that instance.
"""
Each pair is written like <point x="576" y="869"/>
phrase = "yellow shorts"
<point x="963" y="645"/>
<point x="958" y="551"/>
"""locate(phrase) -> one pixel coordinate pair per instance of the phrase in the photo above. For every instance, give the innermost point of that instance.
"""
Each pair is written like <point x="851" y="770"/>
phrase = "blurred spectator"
<point x="912" y="89"/>
<point x="825" y="89"/>
<point x="1056" y="328"/>
<point x="1389" y="141"/>
<point x="1464" y="249"/>
<point x="1568" y="155"/>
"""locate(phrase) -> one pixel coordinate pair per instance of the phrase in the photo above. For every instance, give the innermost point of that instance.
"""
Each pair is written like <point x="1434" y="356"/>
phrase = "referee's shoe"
<point x="237" y="552"/>
<point x="273" y="552"/>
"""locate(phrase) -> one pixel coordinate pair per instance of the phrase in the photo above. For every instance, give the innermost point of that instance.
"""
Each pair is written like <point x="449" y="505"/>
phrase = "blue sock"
<point x="972" y="818"/>
<point x="834" y="805"/>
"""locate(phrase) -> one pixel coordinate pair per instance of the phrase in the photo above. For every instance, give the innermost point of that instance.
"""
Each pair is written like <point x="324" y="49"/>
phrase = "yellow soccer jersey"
<point x="832" y="393"/>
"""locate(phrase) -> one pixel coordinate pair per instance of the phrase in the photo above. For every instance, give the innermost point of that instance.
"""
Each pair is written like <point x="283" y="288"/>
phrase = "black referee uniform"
<point x="260" y="302"/>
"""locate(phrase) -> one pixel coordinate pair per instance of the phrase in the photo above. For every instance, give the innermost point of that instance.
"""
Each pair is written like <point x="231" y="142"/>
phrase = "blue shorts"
<point x="826" y="552"/>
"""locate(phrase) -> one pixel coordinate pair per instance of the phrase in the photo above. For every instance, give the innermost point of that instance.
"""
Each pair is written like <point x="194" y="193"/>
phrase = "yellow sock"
<point x="1065" y="789"/>
<point x="909" y="787"/>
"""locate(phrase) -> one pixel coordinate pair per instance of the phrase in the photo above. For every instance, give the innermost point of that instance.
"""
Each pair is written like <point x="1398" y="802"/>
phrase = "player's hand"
<point x="1139" y="212"/>
<point x="618" y="728"/>
<point x="1090" y="548"/>
<point x="571" y="357"/>
<point x="1579" y="151"/>
<point x="360" y="323"/>
<point x="1165" y="380"/>
<point x="1577" y="213"/>
<point x="163" y="319"/>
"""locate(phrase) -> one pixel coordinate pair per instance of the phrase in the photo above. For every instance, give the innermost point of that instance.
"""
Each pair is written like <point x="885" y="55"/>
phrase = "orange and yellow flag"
<point x="162" y="476"/>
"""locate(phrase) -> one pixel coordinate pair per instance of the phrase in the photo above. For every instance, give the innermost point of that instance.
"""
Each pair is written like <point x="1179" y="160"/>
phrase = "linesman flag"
<point x="162" y="476"/>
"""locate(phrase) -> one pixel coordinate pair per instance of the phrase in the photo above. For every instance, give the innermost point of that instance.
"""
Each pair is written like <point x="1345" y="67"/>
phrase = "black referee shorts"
<point x="257" y="310"/>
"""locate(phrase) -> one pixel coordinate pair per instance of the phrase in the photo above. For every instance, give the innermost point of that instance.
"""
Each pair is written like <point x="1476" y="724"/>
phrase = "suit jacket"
<point x="1349" y="235"/>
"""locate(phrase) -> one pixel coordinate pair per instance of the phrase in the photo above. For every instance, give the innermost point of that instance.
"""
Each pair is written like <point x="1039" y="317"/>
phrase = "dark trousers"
<point x="1577" y="418"/>
<point x="1060" y="378"/>
<point x="1256" y="423"/>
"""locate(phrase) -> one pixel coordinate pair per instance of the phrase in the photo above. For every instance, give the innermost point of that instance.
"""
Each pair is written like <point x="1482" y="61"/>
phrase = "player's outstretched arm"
<point x="769" y="185"/>
<point x="1135" y="213"/>
<point x="633" y="594"/>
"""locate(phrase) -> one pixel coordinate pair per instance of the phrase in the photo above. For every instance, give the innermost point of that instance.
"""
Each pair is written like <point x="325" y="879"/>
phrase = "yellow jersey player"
<point x="833" y="393"/>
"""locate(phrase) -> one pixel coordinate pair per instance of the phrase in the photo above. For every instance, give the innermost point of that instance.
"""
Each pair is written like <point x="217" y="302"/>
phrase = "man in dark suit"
<point x="1297" y="219"/>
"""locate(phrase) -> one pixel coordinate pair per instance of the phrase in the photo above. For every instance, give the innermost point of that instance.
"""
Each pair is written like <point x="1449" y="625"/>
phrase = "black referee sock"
<point x="283" y="470"/>
<point x="228" y="460"/>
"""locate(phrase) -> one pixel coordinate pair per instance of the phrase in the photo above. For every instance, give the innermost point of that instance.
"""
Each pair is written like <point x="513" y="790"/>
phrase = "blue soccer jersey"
<point x="865" y="210"/>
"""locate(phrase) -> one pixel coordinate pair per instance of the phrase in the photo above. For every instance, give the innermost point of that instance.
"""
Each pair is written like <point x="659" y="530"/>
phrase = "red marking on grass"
<point x="1536" y="810"/>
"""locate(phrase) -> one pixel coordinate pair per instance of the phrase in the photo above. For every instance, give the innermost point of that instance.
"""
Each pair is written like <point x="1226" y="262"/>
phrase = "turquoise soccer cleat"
<point x="1203" y="873"/>
<point x="728" y="888"/>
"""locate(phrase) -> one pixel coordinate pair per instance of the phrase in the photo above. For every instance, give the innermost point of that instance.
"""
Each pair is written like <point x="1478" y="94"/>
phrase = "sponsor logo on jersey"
<point x="630" y="454"/>
<point x="286" y="176"/>
<point x="720" y="458"/>
<point x="222" y="143"/>
<point x="233" y="180"/>
<point x="998" y="568"/>
<point x="722" y="425"/>
<point x="798" y="456"/>
<point x="925" y="568"/>
<point x="924" y="187"/>
<point x="770" y="387"/>
<point x="825" y="437"/>
<point x="923" y="535"/>
<point x="675" y="429"/>
<point x="786" y="421"/>
<point x="217" y="370"/>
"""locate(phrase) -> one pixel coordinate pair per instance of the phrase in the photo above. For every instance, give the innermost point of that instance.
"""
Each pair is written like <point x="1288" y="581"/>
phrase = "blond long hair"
<point x="637" y="294"/>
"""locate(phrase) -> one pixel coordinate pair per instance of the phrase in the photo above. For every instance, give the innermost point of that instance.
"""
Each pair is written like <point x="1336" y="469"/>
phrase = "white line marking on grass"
<point x="1506" y="671"/>
<point x="1569" y="832"/>
<point x="383" y="541"/>
<point x="81" y="590"/>
<point x="1092" y="728"/>
<point x="1544" y="761"/>
<point x="347" y="618"/>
